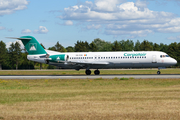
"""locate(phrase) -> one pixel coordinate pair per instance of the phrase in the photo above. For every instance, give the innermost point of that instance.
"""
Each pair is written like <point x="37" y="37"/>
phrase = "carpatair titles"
<point x="134" y="54"/>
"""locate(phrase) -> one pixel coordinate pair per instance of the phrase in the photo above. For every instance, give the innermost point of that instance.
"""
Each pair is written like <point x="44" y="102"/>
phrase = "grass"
<point x="124" y="78"/>
<point x="90" y="99"/>
<point x="82" y="72"/>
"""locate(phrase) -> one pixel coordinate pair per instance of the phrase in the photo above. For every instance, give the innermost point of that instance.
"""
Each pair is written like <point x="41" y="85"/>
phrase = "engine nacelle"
<point x="61" y="58"/>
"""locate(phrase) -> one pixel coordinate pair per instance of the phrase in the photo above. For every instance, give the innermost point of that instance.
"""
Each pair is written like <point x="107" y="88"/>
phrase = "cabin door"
<point x="154" y="60"/>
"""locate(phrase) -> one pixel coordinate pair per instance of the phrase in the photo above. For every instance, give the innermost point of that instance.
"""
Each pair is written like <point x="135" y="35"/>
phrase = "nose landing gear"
<point x="158" y="72"/>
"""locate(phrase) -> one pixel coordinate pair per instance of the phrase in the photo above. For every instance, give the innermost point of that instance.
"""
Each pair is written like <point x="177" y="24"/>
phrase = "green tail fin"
<point x="32" y="45"/>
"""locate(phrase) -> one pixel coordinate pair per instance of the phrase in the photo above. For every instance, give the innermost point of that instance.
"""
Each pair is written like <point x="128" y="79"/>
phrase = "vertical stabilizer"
<point x="32" y="45"/>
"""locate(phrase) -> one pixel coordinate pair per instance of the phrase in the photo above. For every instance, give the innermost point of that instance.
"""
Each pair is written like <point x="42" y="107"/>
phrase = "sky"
<point x="49" y="21"/>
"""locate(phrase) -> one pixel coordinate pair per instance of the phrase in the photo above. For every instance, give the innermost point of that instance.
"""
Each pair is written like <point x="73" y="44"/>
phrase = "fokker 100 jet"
<point x="96" y="60"/>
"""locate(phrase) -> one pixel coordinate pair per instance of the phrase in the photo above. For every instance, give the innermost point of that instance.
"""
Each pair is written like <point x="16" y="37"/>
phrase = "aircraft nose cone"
<point x="174" y="61"/>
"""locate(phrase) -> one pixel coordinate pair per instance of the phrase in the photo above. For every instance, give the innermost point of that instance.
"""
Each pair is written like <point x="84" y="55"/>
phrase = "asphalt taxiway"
<point x="163" y="76"/>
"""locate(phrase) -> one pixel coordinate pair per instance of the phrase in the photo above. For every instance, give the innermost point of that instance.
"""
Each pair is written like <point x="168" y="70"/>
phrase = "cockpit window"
<point x="163" y="56"/>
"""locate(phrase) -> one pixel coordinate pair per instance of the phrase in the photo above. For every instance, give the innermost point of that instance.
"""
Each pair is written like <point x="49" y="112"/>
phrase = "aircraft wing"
<point x="89" y="63"/>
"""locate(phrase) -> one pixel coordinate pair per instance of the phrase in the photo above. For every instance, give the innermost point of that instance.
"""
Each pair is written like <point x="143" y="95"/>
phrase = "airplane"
<point x="96" y="60"/>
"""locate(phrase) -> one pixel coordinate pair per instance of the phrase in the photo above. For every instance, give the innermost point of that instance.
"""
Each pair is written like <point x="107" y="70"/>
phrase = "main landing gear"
<point x="96" y="72"/>
<point x="88" y="72"/>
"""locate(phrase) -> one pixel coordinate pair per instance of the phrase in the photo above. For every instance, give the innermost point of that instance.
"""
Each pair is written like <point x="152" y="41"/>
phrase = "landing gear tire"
<point x="96" y="72"/>
<point x="88" y="72"/>
<point x="158" y="72"/>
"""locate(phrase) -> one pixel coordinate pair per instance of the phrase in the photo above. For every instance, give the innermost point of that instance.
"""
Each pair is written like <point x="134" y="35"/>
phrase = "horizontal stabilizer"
<point x="19" y="38"/>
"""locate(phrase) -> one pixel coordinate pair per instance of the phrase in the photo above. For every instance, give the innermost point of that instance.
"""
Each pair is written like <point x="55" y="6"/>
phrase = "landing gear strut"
<point x="88" y="72"/>
<point x="158" y="72"/>
<point x="96" y="72"/>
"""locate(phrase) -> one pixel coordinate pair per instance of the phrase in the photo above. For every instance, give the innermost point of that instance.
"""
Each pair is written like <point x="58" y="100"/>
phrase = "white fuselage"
<point x="99" y="60"/>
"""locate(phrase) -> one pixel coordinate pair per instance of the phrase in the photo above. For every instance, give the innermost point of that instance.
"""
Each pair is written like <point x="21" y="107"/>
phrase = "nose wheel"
<point x="158" y="72"/>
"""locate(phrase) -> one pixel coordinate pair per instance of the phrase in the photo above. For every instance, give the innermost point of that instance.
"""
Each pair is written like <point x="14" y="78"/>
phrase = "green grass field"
<point x="82" y="72"/>
<point x="90" y="99"/>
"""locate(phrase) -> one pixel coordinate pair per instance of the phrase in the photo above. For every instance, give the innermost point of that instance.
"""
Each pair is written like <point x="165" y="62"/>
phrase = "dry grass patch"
<point x="90" y="99"/>
<point x="86" y="109"/>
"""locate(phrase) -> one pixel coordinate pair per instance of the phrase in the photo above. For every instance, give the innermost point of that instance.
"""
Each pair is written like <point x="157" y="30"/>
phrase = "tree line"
<point x="15" y="57"/>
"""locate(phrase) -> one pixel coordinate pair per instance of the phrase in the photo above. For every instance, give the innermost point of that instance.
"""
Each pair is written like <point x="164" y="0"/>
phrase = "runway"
<point x="91" y="76"/>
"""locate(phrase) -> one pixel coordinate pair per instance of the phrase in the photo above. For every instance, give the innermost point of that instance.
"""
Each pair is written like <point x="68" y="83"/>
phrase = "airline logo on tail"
<point x="32" y="46"/>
